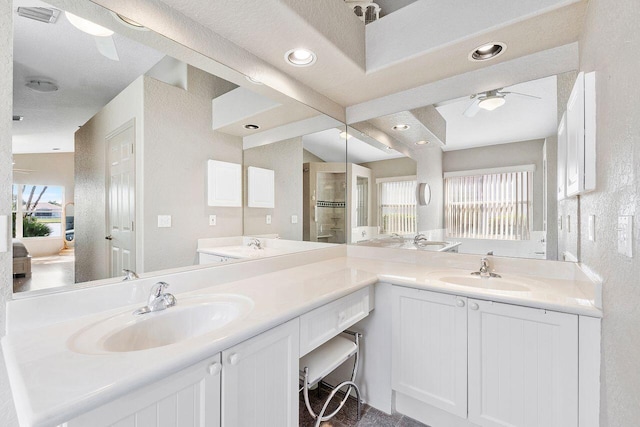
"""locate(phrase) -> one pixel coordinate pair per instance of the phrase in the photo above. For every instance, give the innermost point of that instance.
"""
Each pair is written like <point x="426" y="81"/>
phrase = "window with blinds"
<point x="397" y="205"/>
<point x="489" y="206"/>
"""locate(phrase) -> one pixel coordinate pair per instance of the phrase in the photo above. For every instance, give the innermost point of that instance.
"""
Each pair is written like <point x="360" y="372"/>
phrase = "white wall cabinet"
<point x="429" y="342"/>
<point x="517" y="366"/>
<point x="561" y="183"/>
<point x="260" y="380"/>
<point x="523" y="366"/>
<point x="581" y="136"/>
<point x="189" y="398"/>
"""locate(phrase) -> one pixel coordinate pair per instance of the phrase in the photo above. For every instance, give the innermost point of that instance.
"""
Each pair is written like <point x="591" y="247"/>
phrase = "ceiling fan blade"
<point x="472" y="109"/>
<point x="521" y="94"/>
<point x="107" y="47"/>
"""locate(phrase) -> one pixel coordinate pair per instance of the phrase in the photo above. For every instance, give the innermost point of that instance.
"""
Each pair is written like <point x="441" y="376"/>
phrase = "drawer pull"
<point x="474" y="306"/>
<point x="215" y="368"/>
<point x="234" y="359"/>
<point x="460" y="303"/>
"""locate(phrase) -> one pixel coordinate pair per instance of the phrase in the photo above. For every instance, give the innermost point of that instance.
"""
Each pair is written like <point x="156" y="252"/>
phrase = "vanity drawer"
<point x="323" y="323"/>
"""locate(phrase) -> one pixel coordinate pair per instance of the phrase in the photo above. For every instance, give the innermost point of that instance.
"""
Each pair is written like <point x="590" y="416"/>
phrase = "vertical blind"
<point x="491" y="206"/>
<point x="397" y="207"/>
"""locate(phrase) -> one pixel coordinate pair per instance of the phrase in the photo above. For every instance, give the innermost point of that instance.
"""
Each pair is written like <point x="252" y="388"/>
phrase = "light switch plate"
<point x="592" y="228"/>
<point x="294" y="219"/>
<point x="625" y="235"/>
<point x="268" y="219"/>
<point x="164" y="221"/>
<point x="212" y="220"/>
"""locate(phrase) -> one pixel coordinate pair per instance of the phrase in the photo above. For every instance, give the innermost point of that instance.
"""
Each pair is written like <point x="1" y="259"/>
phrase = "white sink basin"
<point x="190" y="318"/>
<point x="473" y="281"/>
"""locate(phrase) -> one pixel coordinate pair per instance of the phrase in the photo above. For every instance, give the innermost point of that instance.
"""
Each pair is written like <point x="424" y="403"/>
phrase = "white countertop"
<point x="52" y="383"/>
<point x="242" y="252"/>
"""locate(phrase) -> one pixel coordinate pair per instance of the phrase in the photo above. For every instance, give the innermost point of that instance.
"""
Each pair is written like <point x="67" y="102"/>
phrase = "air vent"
<point x="42" y="14"/>
<point x="18" y="118"/>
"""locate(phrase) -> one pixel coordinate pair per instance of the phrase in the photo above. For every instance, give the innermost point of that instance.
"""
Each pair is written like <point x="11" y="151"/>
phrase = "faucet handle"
<point x="490" y="253"/>
<point x="157" y="290"/>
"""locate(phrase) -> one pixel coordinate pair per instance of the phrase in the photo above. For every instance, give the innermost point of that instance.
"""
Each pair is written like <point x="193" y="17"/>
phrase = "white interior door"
<point x="121" y="199"/>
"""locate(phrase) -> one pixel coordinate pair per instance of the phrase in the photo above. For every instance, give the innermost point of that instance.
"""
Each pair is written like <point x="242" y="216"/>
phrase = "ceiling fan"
<point x="490" y="100"/>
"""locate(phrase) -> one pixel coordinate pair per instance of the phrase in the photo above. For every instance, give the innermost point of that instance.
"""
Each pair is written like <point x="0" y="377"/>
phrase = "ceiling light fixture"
<point x="56" y="149"/>
<point x="42" y="14"/>
<point x="491" y="102"/>
<point x="251" y="127"/>
<point x="401" y="127"/>
<point x="300" y="57"/>
<point x="423" y="142"/>
<point x="87" y="26"/>
<point x="129" y="22"/>
<point x="487" y="51"/>
<point x="254" y="81"/>
<point x="18" y="118"/>
<point x="42" y="86"/>
<point x="344" y="135"/>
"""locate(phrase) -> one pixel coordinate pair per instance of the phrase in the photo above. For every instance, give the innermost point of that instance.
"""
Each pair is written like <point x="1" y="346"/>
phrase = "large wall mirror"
<point x="474" y="175"/>
<point x="167" y="164"/>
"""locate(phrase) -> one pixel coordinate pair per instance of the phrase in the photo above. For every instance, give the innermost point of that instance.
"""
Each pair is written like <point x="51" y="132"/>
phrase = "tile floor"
<point x="370" y="417"/>
<point x="47" y="272"/>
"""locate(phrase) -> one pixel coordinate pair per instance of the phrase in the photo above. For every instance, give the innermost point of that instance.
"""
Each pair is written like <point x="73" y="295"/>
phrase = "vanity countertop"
<point x="243" y="252"/>
<point x="52" y="383"/>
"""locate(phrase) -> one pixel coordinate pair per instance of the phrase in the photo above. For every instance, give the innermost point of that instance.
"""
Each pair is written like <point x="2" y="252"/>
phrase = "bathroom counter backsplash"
<point x="53" y="382"/>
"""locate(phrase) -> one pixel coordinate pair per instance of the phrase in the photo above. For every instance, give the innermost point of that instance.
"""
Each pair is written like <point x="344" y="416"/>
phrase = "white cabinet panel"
<point x="561" y="182"/>
<point x="523" y="366"/>
<point x="224" y="184"/>
<point x="260" y="380"/>
<point x="429" y="348"/>
<point x="189" y="398"/>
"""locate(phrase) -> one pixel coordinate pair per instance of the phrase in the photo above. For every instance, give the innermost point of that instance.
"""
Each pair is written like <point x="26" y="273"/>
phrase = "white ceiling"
<point x="519" y="119"/>
<point x="330" y="147"/>
<point x="87" y="80"/>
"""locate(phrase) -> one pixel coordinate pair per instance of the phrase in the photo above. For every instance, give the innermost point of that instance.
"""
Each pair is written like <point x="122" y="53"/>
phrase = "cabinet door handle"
<point x="215" y="368"/>
<point x="460" y="303"/>
<point x="234" y="359"/>
<point x="474" y="306"/>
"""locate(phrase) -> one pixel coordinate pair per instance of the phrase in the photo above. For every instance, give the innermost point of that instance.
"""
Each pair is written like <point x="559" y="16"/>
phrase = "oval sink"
<point x="190" y="318"/>
<point x="490" y="283"/>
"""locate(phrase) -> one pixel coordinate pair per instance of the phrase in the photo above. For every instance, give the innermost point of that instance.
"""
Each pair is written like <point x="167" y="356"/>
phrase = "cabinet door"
<point x="429" y="351"/>
<point x="523" y="366"/>
<point x="575" y="137"/>
<point x="260" y="380"/>
<point x="562" y="158"/>
<point x="189" y="398"/>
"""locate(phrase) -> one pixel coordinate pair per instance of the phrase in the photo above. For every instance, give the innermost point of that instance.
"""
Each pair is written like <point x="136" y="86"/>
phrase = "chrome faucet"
<point x="129" y="274"/>
<point x="484" y="269"/>
<point x="255" y="243"/>
<point x="420" y="239"/>
<point x="158" y="299"/>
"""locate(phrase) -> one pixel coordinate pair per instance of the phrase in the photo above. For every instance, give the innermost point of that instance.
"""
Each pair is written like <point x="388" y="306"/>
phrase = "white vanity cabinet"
<point x="517" y="366"/>
<point x="188" y="398"/>
<point x="213" y="259"/>
<point x="260" y="380"/>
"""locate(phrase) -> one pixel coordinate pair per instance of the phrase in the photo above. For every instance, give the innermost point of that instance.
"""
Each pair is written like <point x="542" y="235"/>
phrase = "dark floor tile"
<point x="376" y="418"/>
<point x="410" y="422"/>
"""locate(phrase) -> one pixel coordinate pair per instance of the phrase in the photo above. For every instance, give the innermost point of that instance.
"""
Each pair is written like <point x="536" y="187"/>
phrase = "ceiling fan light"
<point x="87" y="26"/>
<point x="490" y="103"/>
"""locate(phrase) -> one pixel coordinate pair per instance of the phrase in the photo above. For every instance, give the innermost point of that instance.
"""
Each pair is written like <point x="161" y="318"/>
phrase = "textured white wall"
<point x="494" y="156"/>
<point x="178" y="141"/>
<point x="7" y="411"/>
<point x="610" y="46"/>
<point x="285" y="158"/>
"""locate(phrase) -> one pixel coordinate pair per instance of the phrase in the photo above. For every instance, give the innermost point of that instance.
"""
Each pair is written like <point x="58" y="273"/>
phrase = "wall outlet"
<point x="164" y="221"/>
<point x="212" y="220"/>
<point x="294" y="219"/>
<point x="592" y="228"/>
<point x="625" y="235"/>
<point x="268" y="219"/>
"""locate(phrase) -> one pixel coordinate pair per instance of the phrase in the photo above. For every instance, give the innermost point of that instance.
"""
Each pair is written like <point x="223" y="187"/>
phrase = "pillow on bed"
<point x="19" y="249"/>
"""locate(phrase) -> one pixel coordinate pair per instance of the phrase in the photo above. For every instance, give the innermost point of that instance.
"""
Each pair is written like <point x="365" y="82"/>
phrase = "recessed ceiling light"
<point x="388" y="148"/>
<point x="56" y="149"/>
<point x="401" y="127"/>
<point x="487" y="51"/>
<point x="129" y="22"/>
<point x="300" y="57"/>
<point x="254" y="81"/>
<point x="423" y="142"/>
<point x="18" y="118"/>
<point x="344" y="135"/>
<point x="42" y="86"/>
<point x="251" y="127"/>
<point x="42" y="14"/>
<point x="491" y="102"/>
<point x="88" y="26"/>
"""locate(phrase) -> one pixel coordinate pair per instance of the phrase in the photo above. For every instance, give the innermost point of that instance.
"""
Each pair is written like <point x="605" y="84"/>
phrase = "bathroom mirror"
<point x="491" y="170"/>
<point x="125" y="124"/>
